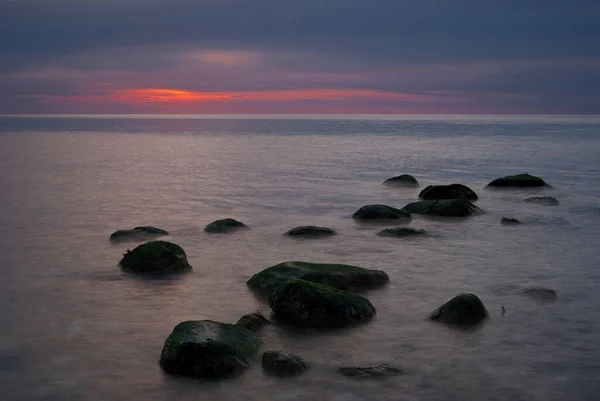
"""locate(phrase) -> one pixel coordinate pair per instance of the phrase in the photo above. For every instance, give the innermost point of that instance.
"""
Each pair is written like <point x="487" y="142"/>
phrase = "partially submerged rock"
<point x="444" y="207"/>
<point x="224" y="226"/>
<point x="137" y="233"/>
<point x="335" y="275"/>
<point x="518" y="181"/>
<point x="540" y="294"/>
<point x="253" y="321"/>
<point x="452" y="191"/>
<point x="380" y="212"/>
<point x="462" y="310"/>
<point x="507" y="220"/>
<point x="379" y="370"/>
<point x="404" y="180"/>
<point x="281" y="363"/>
<point x="156" y="257"/>
<point x="310" y="232"/>
<point x="401" y="232"/>
<point x="543" y="200"/>
<point x="206" y="348"/>
<point x="307" y="304"/>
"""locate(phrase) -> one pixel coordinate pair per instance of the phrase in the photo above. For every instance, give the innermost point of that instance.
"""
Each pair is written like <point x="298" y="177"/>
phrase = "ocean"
<point x="73" y="326"/>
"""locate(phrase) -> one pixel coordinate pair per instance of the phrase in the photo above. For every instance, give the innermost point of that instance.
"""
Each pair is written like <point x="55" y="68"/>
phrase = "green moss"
<point x="156" y="257"/>
<point x="518" y="180"/>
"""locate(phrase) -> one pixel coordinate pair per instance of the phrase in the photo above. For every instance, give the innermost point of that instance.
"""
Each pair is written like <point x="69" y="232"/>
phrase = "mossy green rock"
<point x="207" y="349"/>
<point x="462" y="310"/>
<point x="307" y="304"/>
<point x="518" y="181"/>
<point x="443" y="207"/>
<point x="279" y="363"/>
<point x="346" y="277"/>
<point x="137" y="233"/>
<point x="156" y="257"/>
<point x="452" y="191"/>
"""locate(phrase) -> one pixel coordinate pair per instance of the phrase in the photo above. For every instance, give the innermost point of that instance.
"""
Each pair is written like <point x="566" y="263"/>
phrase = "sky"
<point x="300" y="56"/>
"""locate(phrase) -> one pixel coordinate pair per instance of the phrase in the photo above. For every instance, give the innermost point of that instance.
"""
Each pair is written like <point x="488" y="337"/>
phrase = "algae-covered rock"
<point x="137" y="233"/>
<point x="156" y="257"/>
<point x="206" y="348"/>
<point x="281" y="363"/>
<point x="253" y="321"/>
<point x="462" y="310"/>
<point x="542" y="200"/>
<point x="443" y="207"/>
<point x="452" y="191"/>
<point x="308" y="304"/>
<point x="379" y="370"/>
<point x="380" y="212"/>
<point x="508" y="220"/>
<point x="518" y="181"/>
<point x="224" y="226"/>
<point x="310" y="232"/>
<point x="335" y="275"/>
<point x="404" y="180"/>
<point x="401" y="232"/>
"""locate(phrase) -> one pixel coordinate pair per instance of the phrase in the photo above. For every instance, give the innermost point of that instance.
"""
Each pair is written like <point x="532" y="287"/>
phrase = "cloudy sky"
<point x="300" y="56"/>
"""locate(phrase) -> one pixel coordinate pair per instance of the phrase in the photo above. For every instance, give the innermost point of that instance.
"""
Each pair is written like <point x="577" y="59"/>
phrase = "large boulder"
<point x="279" y="363"/>
<point x="206" y="348"/>
<point x="543" y="200"/>
<point x="380" y="212"/>
<point x="224" y="226"/>
<point x="137" y="233"/>
<point x="404" y="180"/>
<point x="310" y="232"/>
<point x="401" y="232"/>
<point x="443" y="207"/>
<point x="253" y="321"/>
<point x="379" y="370"/>
<point x="156" y="257"/>
<point x="345" y="277"/>
<point x="308" y="304"/>
<point x="462" y="310"/>
<point x="452" y="191"/>
<point x="518" y="181"/>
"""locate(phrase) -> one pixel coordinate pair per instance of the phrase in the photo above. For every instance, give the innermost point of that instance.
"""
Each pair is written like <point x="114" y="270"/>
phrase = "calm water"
<point x="73" y="327"/>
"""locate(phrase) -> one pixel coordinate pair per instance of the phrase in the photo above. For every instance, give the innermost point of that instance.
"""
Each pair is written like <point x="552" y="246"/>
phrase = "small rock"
<point x="224" y="226"/>
<point x="452" y="191"/>
<point x="137" y="233"/>
<point x="370" y="371"/>
<point x="380" y="212"/>
<point x="253" y="321"/>
<point x="518" y="181"/>
<point x="156" y="257"/>
<point x="543" y="200"/>
<point x="401" y="232"/>
<point x="281" y="363"/>
<point x="404" y="180"/>
<point x="310" y="232"/>
<point x="506" y="220"/>
<point x="443" y="207"/>
<point x="462" y="310"/>
<point x="540" y="294"/>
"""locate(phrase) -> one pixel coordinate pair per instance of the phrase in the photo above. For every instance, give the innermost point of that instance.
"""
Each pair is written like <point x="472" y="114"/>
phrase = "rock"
<point x="444" y="207"/>
<point x="310" y="232"/>
<point x="156" y="257"/>
<point x="506" y="220"/>
<point x="404" y="180"/>
<point x="463" y="310"/>
<point x="379" y="370"/>
<point x="307" y="304"/>
<point x="452" y="191"/>
<point x="253" y="321"/>
<point x="281" y="363"/>
<point x="380" y="212"/>
<point x="345" y="277"/>
<point x="543" y="200"/>
<point x="224" y="226"/>
<point x="206" y="348"/>
<point x="518" y="181"/>
<point x="540" y="294"/>
<point x="137" y="233"/>
<point x="401" y="232"/>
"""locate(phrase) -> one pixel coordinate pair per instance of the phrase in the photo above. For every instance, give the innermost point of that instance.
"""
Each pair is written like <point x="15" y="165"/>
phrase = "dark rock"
<point x="518" y="181"/>
<point x="310" y="232"/>
<point x="379" y="370"/>
<point x="253" y="321"/>
<point x="506" y="220"/>
<point x="380" y="212"/>
<point x="401" y="232"/>
<point x="207" y="349"/>
<point x="444" y="207"/>
<point x="540" y="294"/>
<point x="281" y="363"/>
<point x="307" y="304"/>
<point x="224" y="226"/>
<point x="335" y="275"/>
<point x="452" y="191"/>
<point x="404" y="180"/>
<point x="543" y="200"/>
<point x="156" y="257"/>
<point x="462" y="310"/>
<point x="137" y="233"/>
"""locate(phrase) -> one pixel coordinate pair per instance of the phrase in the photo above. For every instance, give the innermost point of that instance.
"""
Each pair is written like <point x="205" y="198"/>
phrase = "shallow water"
<point x="75" y="327"/>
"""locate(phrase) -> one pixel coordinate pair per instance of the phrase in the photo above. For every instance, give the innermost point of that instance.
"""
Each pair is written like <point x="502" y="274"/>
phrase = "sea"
<point x="73" y="326"/>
